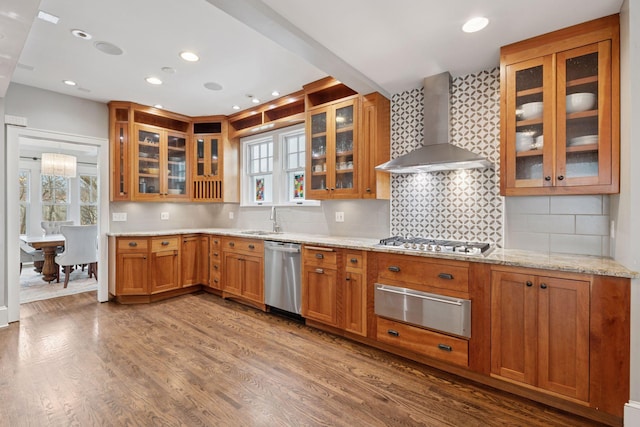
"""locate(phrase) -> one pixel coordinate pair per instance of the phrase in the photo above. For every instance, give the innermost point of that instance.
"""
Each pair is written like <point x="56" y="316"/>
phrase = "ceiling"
<point x="253" y="47"/>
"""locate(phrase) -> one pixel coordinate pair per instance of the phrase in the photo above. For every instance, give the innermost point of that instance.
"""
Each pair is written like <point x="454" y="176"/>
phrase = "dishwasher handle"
<point x="282" y="248"/>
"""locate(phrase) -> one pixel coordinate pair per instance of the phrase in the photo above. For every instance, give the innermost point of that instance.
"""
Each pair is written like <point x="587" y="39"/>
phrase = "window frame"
<point x="68" y="202"/>
<point x="94" y="196"/>
<point x="281" y="185"/>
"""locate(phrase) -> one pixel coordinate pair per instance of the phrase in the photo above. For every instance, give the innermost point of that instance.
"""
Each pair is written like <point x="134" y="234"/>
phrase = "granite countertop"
<point x="601" y="266"/>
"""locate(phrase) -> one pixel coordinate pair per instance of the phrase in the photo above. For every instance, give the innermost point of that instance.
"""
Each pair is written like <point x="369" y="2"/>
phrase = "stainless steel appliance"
<point x="423" y="244"/>
<point x="282" y="276"/>
<point x="433" y="311"/>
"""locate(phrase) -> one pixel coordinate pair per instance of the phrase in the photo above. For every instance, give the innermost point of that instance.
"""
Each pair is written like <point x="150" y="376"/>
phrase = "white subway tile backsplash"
<point x="528" y="241"/>
<point x="578" y="205"/>
<point x="576" y="244"/>
<point x="606" y="246"/>
<point x="592" y="225"/>
<point x="527" y="205"/>
<point x="551" y="223"/>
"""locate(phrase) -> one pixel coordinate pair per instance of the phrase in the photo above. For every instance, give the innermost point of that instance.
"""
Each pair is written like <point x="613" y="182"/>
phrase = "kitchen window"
<point x="54" y="197"/>
<point x="275" y="168"/>
<point x="88" y="199"/>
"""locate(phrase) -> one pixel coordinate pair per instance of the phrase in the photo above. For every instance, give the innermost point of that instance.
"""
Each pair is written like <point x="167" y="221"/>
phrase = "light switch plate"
<point x="339" y="216"/>
<point x="119" y="216"/>
<point x="164" y="215"/>
<point x="230" y="215"/>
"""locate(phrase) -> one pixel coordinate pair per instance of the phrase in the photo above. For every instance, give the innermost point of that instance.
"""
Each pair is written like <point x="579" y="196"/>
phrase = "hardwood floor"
<point x="198" y="360"/>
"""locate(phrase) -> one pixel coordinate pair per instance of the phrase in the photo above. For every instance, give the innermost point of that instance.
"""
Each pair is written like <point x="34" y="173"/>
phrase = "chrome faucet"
<point x="276" y="226"/>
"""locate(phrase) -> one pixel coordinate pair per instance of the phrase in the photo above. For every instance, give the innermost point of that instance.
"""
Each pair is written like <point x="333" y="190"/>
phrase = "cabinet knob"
<point x="368" y="190"/>
<point x="547" y="178"/>
<point x="543" y="286"/>
<point x="252" y="247"/>
<point x="133" y="244"/>
<point x="319" y="256"/>
<point x="560" y="178"/>
<point x="165" y="243"/>
<point x="215" y="267"/>
<point x="529" y="284"/>
<point x="232" y="244"/>
<point x="354" y="260"/>
<point x="215" y="280"/>
<point x="332" y="189"/>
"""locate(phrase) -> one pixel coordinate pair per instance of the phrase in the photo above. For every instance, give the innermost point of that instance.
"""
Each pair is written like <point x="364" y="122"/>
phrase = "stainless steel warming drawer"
<point x="433" y="311"/>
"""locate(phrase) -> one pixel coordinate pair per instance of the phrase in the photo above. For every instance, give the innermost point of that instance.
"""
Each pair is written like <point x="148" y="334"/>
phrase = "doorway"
<point x="17" y="136"/>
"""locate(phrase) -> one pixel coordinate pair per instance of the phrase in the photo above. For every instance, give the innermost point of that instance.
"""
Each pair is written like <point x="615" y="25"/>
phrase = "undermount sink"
<point x="259" y="232"/>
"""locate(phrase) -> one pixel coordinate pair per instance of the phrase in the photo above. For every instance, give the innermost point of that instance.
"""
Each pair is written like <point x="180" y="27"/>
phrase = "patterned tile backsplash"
<point x="460" y="205"/>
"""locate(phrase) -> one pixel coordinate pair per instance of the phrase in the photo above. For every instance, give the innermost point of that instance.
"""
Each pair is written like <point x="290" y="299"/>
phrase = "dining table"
<point x="49" y="244"/>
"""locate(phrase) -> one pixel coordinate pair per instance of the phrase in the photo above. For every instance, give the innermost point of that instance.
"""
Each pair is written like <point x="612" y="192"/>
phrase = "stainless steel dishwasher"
<point x="282" y="276"/>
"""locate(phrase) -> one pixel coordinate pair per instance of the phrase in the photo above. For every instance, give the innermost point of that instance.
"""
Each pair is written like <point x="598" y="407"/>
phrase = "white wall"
<point x="625" y="208"/>
<point x="3" y="247"/>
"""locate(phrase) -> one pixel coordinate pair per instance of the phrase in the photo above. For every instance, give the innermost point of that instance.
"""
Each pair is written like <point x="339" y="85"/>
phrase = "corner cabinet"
<point x="347" y="136"/>
<point x="560" y="112"/>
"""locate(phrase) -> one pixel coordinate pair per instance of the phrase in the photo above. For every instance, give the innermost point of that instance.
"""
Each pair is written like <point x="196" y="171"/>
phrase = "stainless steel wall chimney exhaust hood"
<point x="436" y="153"/>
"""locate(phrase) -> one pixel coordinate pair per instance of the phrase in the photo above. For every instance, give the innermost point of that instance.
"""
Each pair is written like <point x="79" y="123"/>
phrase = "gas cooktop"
<point x="423" y="244"/>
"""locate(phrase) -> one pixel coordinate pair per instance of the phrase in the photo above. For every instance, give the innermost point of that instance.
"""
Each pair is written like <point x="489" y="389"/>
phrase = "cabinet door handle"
<point x="543" y="286"/>
<point x="393" y="332"/>
<point x="368" y="190"/>
<point x="547" y="178"/>
<point x="445" y="276"/>
<point x="320" y="256"/>
<point x="560" y="177"/>
<point x="165" y="243"/>
<point x="445" y="347"/>
<point x="529" y="284"/>
<point x="348" y="277"/>
<point x="215" y="254"/>
<point x="319" y="271"/>
<point x="215" y="267"/>
<point x="394" y="268"/>
<point x="354" y="260"/>
<point x="133" y="244"/>
<point x="252" y="247"/>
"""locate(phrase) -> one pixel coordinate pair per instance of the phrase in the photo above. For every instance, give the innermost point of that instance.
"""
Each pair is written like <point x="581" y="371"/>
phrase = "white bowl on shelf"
<point x="582" y="140"/>
<point x="524" y="141"/>
<point x="581" y="101"/>
<point x="539" y="142"/>
<point x="530" y="110"/>
<point x="174" y="191"/>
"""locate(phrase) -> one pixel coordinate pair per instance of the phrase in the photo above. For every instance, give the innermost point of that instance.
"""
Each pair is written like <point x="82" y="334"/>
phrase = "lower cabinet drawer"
<point x="432" y="344"/>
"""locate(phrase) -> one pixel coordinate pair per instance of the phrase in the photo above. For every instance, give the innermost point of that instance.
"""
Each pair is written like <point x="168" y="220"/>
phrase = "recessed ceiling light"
<point x="158" y="106"/>
<point x="108" y="48"/>
<point x="48" y="17"/>
<point x="475" y="24"/>
<point x="81" y="34"/>
<point x="236" y="107"/>
<point x="189" y="56"/>
<point x="168" y="70"/>
<point x="213" y="86"/>
<point x="153" y="80"/>
<point x="275" y="93"/>
<point x="69" y="82"/>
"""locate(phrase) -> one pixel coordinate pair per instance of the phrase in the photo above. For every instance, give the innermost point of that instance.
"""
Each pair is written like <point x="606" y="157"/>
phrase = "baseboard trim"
<point x="4" y="317"/>
<point x="632" y="414"/>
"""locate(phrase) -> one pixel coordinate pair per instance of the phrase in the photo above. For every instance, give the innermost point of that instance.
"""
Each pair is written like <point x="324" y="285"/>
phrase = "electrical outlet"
<point x="339" y="216"/>
<point x="119" y="216"/>
<point x="231" y="215"/>
<point x="164" y="215"/>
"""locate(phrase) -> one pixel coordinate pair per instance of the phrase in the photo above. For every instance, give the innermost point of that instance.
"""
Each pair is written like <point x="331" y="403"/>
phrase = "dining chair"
<point x="81" y="247"/>
<point x="29" y="254"/>
<point x="53" y="227"/>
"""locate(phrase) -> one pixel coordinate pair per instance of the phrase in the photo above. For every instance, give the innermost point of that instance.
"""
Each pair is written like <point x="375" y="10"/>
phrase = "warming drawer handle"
<point x="394" y="268"/>
<point x="445" y="347"/>
<point x="445" y="301"/>
<point x="446" y="276"/>
<point x="393" y="332"/>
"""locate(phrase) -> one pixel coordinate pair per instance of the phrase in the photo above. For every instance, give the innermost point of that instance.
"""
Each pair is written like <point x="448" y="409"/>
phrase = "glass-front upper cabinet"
<point x="176" y="164"/>
<point x="148" y="161"/>
<point x="207" y="155"/>
<point x="332" y="157"/>
<point x="560" y="117"/>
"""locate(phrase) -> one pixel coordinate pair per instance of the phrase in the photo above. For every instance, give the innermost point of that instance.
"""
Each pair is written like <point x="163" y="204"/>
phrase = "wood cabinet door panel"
<point x="233" y="273"/>
<point x="320" y="295"/>
<point x="355" y="304"/>
<point x="563" y="336"/>
<point x="513" y="326"/>
<point x="132" y="274"/>
<point x="189" y="261"/>
<point x="165" y="275"/>
<point x="252" y="283"/>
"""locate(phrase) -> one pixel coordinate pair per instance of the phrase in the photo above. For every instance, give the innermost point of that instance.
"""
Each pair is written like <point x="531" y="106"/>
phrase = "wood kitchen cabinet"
<point x="132" y="266"/>
<point x="243" y="270"/>
<point x="320" y="287"/>
<point x="119" y="113"/>
<point x="215" y="259"/>
<point x="560" y="112"/>
<point x="164" y="269"/>
<point x="347" y="136"/>
<point x="194" y="260"/>
<point x="540" y="332"/>
<point x="355" y="292"/>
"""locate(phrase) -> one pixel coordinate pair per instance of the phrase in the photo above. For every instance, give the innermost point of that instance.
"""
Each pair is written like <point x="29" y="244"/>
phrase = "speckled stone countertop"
<point x="601" y="266"/>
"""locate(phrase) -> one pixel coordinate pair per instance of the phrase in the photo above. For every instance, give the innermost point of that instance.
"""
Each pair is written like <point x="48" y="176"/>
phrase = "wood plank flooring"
<point x="198" y="360"/>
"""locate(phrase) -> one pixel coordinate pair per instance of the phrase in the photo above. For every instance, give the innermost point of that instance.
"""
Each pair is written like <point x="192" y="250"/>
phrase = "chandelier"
<point x="58" y="165"/>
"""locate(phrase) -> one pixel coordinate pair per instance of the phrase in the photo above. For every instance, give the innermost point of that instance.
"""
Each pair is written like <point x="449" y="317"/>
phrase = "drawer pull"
<point x="319" y="271"/>
<point x="445" y="276"/>
<point x="165" y="243"/>
<point x="393" y="332"/>
<point x="133" y="244"/>
<point x="394" y="268"/>
<point x="445" y="347"/>
<point x="320" y="256"/>
<point x="354" y="260"/>
<point x="232" y="244"/>
<point x="252" y="247"/>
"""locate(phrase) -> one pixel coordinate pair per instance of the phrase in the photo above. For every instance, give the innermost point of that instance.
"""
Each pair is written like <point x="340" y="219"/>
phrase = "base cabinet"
<point x="194" y="260"/>
<point x="215" y="261"/>
<point x="132" y="266"/>
<point x="165" y="264"/>
<point x="243" y="269"/>
<point x="320" y="285"/>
